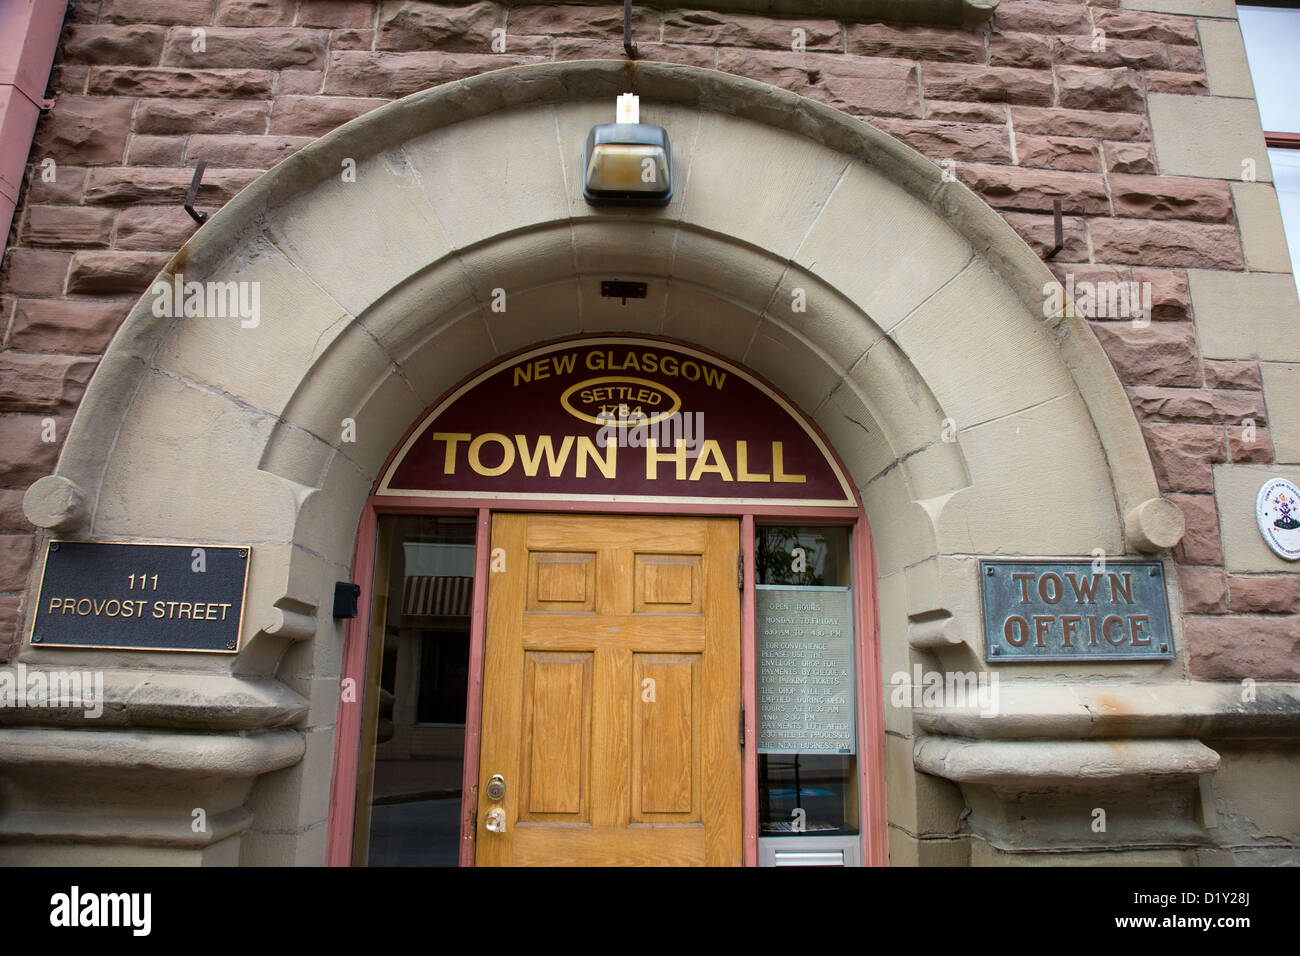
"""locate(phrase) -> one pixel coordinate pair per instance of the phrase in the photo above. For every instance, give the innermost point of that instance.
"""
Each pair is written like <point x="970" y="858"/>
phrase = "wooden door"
<point x="611" y="692"/>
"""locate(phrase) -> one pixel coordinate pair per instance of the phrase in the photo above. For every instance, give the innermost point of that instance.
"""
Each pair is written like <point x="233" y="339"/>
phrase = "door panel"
<point x="611" y="692"/>
<point x="665" y="755"/>
<point x="557" y="726"/>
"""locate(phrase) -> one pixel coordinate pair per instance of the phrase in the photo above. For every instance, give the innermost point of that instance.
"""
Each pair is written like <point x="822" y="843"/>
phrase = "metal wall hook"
<point x="1060" y="230"/>
<point x="199" y="217"/>
<point x="628" y="46"/>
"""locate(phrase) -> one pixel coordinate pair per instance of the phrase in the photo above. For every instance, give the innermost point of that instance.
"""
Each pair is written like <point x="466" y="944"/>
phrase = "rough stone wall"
<point x="1047" y="101"/>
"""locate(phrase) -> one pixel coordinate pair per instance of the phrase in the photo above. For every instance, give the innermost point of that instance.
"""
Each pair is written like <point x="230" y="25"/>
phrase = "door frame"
<point x="870" y="696"/>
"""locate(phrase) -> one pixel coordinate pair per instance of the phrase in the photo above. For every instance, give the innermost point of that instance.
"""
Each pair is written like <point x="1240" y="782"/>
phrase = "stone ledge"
<point x="202" y="755"/>
<point x="178" y="794"/>
<point x="1078" y="711"/>
<point x="168" y="701"/>
<point x="1029" y="797"/>
<point x="151" y="829"/>
<point x="989" y="851"/>
<point x="1080" y="764"/>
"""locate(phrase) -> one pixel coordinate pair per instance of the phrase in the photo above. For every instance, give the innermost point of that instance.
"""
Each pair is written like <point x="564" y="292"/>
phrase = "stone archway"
<point x="971" y="423"/>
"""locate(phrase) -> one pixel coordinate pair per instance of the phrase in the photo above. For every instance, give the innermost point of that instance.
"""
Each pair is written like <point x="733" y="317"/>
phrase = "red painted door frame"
<point x="871" y="734"/>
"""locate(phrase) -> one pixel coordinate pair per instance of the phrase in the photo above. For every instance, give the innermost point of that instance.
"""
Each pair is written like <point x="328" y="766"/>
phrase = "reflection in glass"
<point x="1286" y="179"/>
<point x="823" y="786"/>
<point x="803" y="555"/>
<point x="1271" y="35"/>
<point x="413" y="734"/>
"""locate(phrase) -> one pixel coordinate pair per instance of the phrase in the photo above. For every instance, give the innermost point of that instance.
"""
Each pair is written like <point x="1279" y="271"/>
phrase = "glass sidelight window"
<point x="413" y="735"/>
<point x="807" y="727"/>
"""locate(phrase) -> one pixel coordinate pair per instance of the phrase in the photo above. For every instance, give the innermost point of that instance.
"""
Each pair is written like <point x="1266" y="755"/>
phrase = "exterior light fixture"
<point x="627" y="162"/>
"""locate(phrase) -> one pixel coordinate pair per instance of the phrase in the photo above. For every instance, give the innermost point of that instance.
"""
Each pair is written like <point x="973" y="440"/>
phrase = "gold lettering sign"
<point x="617" y="418"/>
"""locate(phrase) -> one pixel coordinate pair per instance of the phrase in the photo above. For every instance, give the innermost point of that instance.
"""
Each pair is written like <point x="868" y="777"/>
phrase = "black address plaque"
<point x="148" y="597"/>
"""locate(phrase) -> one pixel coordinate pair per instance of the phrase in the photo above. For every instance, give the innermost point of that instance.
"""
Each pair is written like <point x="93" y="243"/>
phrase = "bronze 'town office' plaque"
<point x="1075" y="611"/>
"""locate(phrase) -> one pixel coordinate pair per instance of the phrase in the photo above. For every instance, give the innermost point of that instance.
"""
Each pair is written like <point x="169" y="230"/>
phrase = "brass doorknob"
<point x="496" y="788"/>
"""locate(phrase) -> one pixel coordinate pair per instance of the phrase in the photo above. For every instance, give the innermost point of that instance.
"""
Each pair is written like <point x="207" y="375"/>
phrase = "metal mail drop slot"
<point x="825" y="858"/>
<point x="809" y="851"/>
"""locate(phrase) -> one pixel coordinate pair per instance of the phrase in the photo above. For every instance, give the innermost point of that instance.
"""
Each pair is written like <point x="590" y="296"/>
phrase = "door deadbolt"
<point x="496" y="788"/>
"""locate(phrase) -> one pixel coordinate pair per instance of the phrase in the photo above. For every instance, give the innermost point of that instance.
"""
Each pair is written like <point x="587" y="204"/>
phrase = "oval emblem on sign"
<point x="620" y="399"/>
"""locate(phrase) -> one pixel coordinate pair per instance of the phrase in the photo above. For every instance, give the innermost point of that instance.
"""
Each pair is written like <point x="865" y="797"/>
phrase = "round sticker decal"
<point x="1277" y="509"/>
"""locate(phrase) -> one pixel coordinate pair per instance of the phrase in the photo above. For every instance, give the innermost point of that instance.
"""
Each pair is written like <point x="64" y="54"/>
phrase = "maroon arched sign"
<point x="617" y="418"/>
